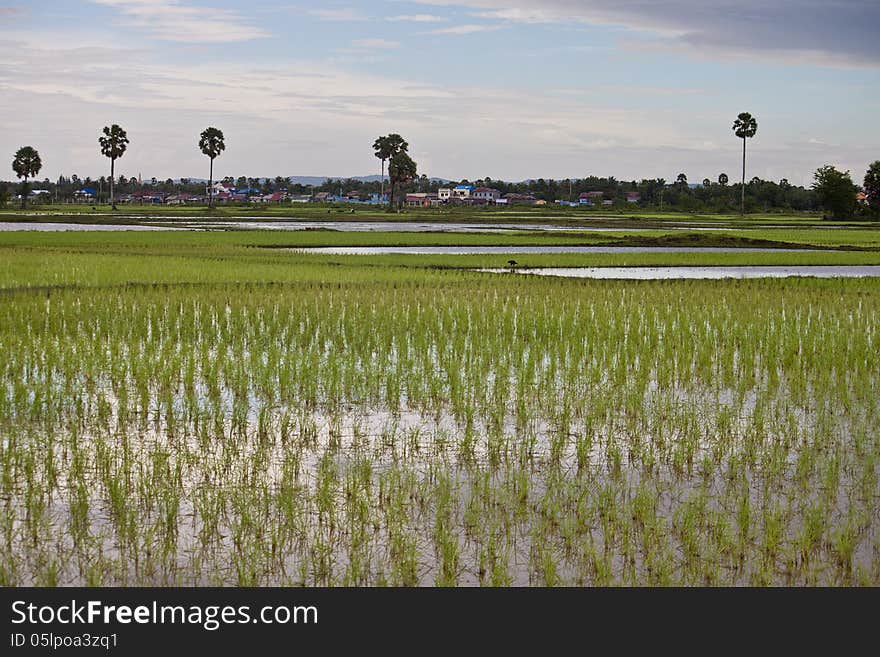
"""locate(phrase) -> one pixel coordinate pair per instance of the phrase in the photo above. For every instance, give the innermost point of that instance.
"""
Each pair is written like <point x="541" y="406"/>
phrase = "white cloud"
<point x="375" y="44"/>
<point x="521" y="15"/>
<point x="169" y="20"/>
<point x="467" y="28"/>
<point x="416" y="18"/>
<point x="341" y="15"/>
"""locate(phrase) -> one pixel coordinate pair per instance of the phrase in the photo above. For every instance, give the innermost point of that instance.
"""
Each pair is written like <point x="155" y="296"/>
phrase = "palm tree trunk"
<point x="211" y="185"/>
<point x="391" y="199"/>
<point x="112" y="181"/>
<point x="382" y="182"/>
<point x="24" y="193"/>
<point x="743" y="206"/>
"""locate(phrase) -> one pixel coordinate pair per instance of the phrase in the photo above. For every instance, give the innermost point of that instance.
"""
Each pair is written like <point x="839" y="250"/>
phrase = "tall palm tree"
<point x="385" y="148"/>
<point x="723" y="179"/>
<point x="113" y="143"/>
<point x="26" y="164"/>
<point x="401" y="169"/>
<point x="744" y="127"/>
<point x="211" y="144"/>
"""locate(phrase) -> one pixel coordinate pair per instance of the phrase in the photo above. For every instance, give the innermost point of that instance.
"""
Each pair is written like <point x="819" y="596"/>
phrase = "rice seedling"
<point x="343" y="424"/>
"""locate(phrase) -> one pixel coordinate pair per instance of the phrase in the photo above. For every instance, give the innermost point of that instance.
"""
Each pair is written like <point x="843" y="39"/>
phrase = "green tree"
<point x="113" y="143"/>
<point x="723" y="179"/>
<point x="401" y="169"/>
<point x="26" y="164"/>
<point x="385" y="148"/>
<point x="835" y="191"/>
<point x="211" y="143"/>
<point x="707" y="182"/>
<point x="745" y="127"/>
<point x="872" y="185"/>
<point x="681" y="180"/>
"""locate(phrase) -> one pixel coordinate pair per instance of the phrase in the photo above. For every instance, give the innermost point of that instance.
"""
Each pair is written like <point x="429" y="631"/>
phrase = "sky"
<point x="509" y="89"/>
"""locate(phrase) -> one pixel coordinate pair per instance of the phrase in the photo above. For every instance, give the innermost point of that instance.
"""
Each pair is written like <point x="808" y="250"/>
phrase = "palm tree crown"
<point x="27" y="163"/>
<point x="745" y="125"/>
<point x="211" y="142"/>
<point x="113" y="142"/>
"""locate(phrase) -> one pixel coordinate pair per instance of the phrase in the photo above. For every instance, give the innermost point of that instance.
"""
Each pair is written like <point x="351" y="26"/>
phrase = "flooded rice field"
<point x="464" y="433"/>
<point x="173" y="222"/>
<point x="488" y="250"/>
<point x="685" y="272"/>
<point x="48" y="226"/>
<point x="259" y="223"/>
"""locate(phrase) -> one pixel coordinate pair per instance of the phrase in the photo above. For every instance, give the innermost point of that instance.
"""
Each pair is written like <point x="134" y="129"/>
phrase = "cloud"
<point x="467" y="28"/>
<point x="341" y="15"/>
<point x="285" y="115"/>
<point x="169" y="20"/>
<point x="375" y="44"/>
<point x="843" y="33"/>
<point x="416" y="18"/>
<point x="59" y="97"/>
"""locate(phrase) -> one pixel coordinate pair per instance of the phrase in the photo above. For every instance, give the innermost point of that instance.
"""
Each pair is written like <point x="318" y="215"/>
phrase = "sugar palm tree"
<point x="26" y="164"/>
<point x="401" y="169"/>
<point x="211" y="144"/>
<point x="744" y="127"/>
<point x="385" y="148"/>
<point x="113" y="143"/>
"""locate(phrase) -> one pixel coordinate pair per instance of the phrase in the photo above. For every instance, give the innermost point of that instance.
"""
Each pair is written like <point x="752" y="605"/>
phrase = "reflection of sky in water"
<point x="655" y="273"/>
<point x="486" y="250"/>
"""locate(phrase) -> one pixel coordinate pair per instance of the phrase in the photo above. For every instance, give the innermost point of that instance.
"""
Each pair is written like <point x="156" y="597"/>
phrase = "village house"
<point x="514" y="198"/>
<point x="183" y="199"/>
<point x="147" y="197"/>
<point x="274" y="197"/>
<point x="488" y="193"/>
<point x="462" y="191"/>
<point x="590" y="198"/>
<point x="84" y="195"/>
<point x="422" y="199"/>
<point x="633" y="197"/>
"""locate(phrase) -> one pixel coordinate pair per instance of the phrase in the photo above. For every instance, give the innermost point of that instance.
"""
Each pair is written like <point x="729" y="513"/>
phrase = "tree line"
<point x="832" y="191"/>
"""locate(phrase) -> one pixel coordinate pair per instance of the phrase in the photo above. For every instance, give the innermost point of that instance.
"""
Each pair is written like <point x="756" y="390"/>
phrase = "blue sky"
<point x="502" y="88"/>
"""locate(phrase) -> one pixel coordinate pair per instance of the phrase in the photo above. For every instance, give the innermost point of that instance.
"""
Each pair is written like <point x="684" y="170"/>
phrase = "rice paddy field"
<point x="204" y="409"/>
